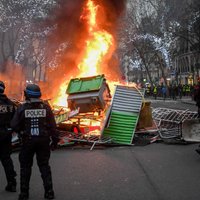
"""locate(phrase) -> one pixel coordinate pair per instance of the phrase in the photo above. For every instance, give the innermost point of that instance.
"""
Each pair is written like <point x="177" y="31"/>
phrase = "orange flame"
<point x="61" y="98"/>
<point x="96" y="46"/>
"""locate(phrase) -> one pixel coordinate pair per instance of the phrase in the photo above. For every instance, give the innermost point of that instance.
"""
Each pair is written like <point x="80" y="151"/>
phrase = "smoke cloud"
<point x="14" y="80"/>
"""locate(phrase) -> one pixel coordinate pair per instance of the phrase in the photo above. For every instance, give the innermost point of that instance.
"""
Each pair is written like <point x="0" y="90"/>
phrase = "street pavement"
<point x="157" y="171"/>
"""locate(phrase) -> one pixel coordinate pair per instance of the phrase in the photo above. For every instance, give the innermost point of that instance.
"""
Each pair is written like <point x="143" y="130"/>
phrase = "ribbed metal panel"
<point x="127" y="99"/>
<point x="124" y="114"/>
<point x="121" y="127"/>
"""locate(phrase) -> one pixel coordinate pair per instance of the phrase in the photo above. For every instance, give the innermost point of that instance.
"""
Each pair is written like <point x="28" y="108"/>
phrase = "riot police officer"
<point x="35" y="122"/>
<point x="7" y="109"/>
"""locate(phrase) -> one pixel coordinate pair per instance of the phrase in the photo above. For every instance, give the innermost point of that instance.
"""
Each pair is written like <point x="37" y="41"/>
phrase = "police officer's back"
<point x="36" y="124"/>
<point x="7" y="109"/>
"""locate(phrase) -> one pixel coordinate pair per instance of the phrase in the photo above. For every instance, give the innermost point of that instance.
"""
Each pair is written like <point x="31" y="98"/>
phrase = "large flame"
<point x="98" y="44"/>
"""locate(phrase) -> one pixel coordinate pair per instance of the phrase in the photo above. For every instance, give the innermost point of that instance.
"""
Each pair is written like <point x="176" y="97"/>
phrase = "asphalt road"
<point x="157" y="171"/>
<point x="179" y="104"/>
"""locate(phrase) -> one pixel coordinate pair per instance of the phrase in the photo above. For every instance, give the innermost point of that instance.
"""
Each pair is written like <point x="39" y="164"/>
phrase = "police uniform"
<point x="36" y="124"/>
<point x="7" y="110"/>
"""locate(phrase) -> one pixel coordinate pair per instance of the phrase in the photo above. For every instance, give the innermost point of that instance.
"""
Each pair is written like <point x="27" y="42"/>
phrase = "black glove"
<point x="53" y="145"/>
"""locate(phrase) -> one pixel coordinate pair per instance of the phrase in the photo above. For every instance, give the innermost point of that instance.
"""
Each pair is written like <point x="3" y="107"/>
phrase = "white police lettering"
<point x="3" y="109"/>
<point x="36" y="113"/>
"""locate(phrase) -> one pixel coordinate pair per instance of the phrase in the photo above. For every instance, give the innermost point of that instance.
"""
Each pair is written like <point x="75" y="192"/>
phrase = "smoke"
<point x="14" y="80"/>
<point x="112" y="10"/>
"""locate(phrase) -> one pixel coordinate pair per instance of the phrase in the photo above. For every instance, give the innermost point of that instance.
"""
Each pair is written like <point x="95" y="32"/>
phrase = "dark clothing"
<point x="180" y="91"/>
<point x="7" y="109"/>
<point x="40" y="147"/>
<point x="197" y="98"/>
<point x="36" y="124"/>
<point x="5" y="152"/>
<point x="35" y="119"/>
<point x="164" y="92"/>
<point x="174" y="92"/>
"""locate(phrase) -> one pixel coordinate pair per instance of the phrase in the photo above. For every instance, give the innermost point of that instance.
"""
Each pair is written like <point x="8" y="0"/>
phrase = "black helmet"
<point x="32" y="91"/>
<point x="2" y="87"/>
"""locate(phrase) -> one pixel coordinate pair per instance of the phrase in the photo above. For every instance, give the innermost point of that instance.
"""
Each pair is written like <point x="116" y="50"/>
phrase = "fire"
<point x="95" y="50"/>
<point x="97" y="45"/>
<point x="61" y="99"/>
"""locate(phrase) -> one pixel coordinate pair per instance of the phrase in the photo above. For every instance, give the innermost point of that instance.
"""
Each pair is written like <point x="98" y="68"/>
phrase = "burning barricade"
<point x="101" y="119"/>
<point x="93" y="116"/>
<point x="120" y="119"/>
<point x="90" y="94"/>
<point x="91" y="97"/>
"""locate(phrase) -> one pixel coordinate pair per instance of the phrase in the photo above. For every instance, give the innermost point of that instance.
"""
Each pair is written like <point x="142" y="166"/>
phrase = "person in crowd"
<point x="164" y="92"/>
<point x="148" y="90"/>
<point x="7" y="110"/>
<point x="174" y="92"/>
<point x="35" y="123"/>
<point x="155" y="91"/>
<point x="184" y="90"/>
<point x="180" y="90"/>
<point x="197" y="99"/>
<point x="170" y="91"/>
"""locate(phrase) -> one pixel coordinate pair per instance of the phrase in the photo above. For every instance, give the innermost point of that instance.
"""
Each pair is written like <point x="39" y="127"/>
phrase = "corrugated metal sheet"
<point x="127" y="99"/>
<point x="124" y="114"/>
<point x="121" y="127"/>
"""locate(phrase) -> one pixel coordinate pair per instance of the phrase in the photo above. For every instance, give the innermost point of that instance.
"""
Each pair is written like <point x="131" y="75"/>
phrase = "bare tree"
<point x="18" y="20"/>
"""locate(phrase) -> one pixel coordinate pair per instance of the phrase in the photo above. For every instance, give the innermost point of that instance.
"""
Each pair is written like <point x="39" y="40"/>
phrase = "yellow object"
<point x="145" y="119"/>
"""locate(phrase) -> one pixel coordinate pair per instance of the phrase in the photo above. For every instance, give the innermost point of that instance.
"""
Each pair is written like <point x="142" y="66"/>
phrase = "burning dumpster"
<point x="89" y="94"/>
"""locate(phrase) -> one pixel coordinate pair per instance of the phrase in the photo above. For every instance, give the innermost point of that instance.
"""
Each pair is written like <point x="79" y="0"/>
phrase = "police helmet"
<point x="32" y="91"/>
<point x="2" y="87"/>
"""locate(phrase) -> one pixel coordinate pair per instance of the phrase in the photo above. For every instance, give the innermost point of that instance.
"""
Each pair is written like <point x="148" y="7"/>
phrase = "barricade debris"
<point x="172" y="123"/>
<point x="95" y="117"/>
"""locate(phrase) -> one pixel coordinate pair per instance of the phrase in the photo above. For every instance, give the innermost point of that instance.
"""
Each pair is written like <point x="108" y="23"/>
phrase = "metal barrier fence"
<point x="169" y="121"/>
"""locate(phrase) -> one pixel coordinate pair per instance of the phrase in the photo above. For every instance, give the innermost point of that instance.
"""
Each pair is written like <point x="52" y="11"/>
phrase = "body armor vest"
<point x="36" y="120"/>
<point x="6" y="113"/>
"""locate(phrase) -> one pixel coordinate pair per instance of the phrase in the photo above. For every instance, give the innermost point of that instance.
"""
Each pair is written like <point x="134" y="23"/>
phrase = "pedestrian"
<point x="174" y="92"/>
<point x="155" y="91"/>
<point x="7" y="109"/>
<point x="180" y="90"/>
<point x="164" y="92"/>
<point x="197" y="97"/>
<point x="170" y="91"/>
<point x="35" y="122"/>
